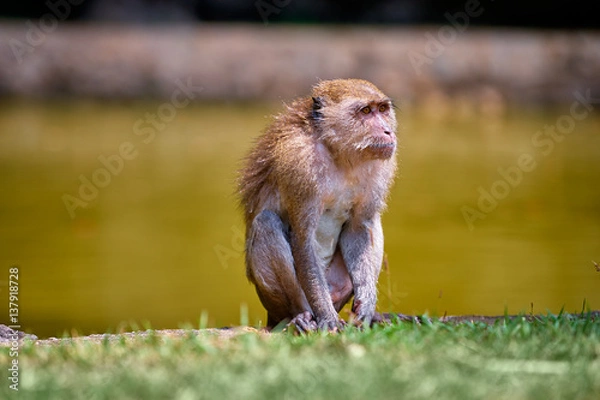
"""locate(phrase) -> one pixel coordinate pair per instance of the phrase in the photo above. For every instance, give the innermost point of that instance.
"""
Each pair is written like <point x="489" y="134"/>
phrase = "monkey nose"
<point x="387" y="133"/>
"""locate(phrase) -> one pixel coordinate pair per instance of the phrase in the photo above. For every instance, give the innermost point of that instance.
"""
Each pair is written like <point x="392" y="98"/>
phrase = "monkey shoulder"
<point x="296" y="158"/>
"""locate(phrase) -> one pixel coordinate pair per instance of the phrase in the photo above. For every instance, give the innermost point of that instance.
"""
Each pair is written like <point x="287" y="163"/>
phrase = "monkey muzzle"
<point x="382" y="150"/>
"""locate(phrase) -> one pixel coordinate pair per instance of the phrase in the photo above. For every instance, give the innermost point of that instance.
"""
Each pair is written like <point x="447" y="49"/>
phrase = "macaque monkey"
<point x="313" y="189"/>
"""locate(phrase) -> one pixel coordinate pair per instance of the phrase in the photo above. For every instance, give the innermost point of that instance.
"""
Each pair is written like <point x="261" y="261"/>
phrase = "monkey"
<point x="312" y="189"/>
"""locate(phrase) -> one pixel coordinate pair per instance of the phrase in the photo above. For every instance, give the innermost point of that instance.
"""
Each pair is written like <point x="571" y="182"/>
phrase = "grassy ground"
<point x="551" y="357"/>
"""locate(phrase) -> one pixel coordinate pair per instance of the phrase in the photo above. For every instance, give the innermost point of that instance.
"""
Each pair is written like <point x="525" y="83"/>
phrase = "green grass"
<point x="553" y="357"/>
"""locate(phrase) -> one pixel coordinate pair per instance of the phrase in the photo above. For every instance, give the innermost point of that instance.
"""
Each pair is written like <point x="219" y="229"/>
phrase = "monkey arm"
<point x="362" y="249"/>
<point x="311" y="272"/>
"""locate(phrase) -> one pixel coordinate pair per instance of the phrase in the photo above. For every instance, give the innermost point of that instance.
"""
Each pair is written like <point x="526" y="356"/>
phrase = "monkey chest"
<point x="343" y="198"/>
<point x="329" y="228"/>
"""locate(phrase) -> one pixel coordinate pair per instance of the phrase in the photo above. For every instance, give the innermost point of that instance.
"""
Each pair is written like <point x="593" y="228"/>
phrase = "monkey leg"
<point x="270" y="266"/>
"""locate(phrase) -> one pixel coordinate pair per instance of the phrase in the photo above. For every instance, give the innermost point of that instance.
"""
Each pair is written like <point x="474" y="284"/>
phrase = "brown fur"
<point x="322" y="155"/>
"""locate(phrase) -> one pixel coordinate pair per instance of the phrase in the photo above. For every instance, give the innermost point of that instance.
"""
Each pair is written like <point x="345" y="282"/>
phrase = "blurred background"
<point x="122" y="123"/>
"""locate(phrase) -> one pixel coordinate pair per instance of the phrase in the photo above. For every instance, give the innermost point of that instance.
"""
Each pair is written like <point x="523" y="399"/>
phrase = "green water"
<point x="158" y="238"/>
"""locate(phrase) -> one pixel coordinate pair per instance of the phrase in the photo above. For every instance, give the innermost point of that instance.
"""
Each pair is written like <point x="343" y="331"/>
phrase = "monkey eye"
<point x="365" y="110"/>
<point x="383" y="108"/>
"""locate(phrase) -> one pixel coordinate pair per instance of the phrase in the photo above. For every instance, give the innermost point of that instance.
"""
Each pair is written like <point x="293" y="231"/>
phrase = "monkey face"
<point x="356" y="120"/>
<point x="368" y="130"/>
<point x="379" y="124"/>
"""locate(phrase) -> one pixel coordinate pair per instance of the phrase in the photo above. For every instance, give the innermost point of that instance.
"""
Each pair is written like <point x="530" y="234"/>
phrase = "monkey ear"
<point x="317" y="105"/>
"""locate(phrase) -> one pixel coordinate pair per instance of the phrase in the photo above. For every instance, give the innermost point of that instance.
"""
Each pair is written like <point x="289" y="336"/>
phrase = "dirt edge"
<point x="8" y="336"/>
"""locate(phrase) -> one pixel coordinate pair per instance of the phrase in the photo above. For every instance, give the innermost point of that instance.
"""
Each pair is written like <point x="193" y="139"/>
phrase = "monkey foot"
<point x="402" y="317"/>
<point x="303" y="322"/>
<point x="377" y="318"/>
<point x="334" y="325"/>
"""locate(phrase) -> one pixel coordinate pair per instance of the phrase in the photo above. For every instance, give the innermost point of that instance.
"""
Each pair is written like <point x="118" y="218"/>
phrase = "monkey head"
<point x="354" y="119"/>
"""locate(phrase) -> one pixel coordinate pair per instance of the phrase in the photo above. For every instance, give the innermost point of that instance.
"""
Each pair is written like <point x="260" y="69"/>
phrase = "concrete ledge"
<point x="280" y="62"/>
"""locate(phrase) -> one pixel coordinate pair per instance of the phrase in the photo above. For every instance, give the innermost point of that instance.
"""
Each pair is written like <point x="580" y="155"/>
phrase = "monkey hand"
<point x="333" y="324"/>
<point x="365" y="316"/>
<point x="303" y="322"/>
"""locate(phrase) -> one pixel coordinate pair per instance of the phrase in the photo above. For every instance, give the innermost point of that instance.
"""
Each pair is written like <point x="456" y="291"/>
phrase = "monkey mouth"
<point x="382" y="150"/>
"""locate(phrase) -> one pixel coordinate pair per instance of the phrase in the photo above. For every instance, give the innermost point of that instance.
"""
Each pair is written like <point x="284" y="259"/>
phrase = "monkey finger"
<point x="331" y="325"/>
<point x="368" y="320"/>
<point x="389" y="317"/>
<point x="303" y="322"/>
